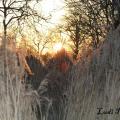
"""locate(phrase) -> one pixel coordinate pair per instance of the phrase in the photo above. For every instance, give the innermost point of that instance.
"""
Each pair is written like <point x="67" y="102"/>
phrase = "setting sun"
<point x="57" y="47"/>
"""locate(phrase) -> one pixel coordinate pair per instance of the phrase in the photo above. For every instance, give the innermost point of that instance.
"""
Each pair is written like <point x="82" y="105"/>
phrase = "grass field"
<point x="94" y="93"/>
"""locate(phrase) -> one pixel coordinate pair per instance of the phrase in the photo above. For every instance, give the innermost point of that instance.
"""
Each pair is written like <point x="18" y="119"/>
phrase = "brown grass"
<point x="96" y="83"/>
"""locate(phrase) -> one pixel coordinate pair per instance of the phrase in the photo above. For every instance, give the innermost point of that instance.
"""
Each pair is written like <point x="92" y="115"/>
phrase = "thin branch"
<point x="1" y="7"/>
<point x="11" y="3"/>
<point x="3" y="2"/>
<point x="1" y="11"/>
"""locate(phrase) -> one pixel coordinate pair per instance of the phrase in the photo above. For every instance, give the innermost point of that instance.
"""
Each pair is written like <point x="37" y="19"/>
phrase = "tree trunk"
<point x="77" y="41"/>
<point x="76" y="51"/>
<point x="4" y="45"/>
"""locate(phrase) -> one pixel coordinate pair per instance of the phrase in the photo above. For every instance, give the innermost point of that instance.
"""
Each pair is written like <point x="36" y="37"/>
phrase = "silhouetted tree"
<point x="90" y="19"/>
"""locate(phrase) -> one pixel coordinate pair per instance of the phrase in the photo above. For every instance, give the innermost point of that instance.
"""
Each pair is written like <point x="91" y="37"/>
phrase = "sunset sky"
<point x="55" y="8"/>
<point x="52" y="8"/>
<point x="47" y="8"/>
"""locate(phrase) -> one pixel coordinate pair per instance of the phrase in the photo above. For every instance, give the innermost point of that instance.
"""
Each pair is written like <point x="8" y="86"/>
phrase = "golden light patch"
<point x="57" y="47"/>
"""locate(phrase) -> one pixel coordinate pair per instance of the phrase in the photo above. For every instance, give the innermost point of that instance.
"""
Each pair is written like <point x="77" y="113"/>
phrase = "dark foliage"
<point x="38" y="70"/>
<point x="52" y="90"/>
<point x="54" y="86"/>
<point x="61" y="62"/>
<point x="51" y="83"/>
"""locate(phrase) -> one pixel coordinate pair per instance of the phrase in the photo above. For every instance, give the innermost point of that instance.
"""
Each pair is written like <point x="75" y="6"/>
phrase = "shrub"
<point x="54" y="86"/>
<point x="38" y="70"/>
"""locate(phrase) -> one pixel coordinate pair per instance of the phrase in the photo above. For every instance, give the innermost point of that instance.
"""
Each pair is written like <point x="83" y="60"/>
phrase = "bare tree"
<point x="90" y="19"/>
<point x="16" y="11"/>
<point x="41" y="41"/>
<point x="75" y="32"/>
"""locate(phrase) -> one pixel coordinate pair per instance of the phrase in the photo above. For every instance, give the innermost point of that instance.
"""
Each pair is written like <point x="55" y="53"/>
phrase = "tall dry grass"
<point x="95" y="83"/>
<point x="16" y="103"/>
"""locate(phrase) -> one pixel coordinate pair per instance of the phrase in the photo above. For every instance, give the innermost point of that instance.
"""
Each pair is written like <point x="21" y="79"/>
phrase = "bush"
<point x="54" y="86"/>
<point x="38" y="70"/>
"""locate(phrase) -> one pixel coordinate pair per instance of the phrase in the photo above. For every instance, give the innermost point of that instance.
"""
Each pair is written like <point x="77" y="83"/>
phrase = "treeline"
<point x="90" y="20"/>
